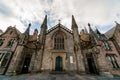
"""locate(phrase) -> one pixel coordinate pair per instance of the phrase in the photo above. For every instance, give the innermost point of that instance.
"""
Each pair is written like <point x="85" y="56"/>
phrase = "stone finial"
<point x="35" y="31"/>
<point x="116" y="22"/>
<point x="90" y="29"/>
<point x="59" y="23"/>
<point x="29" y="24"/>
<point x="89" y="25"/>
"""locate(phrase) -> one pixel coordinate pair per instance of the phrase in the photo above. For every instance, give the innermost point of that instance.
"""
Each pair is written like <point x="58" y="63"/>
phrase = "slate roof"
<point x="109" y="34"/>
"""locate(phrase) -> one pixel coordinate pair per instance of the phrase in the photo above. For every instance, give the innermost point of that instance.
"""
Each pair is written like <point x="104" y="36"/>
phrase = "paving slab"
<point x="47" y="76"/>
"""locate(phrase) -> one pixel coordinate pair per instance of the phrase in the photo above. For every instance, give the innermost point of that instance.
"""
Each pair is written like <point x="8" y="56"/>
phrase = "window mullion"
<point x="59" y="42"/>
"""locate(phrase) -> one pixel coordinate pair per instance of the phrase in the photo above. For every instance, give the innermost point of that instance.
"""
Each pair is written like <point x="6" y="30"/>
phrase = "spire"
<point x="85" y="30"/>
<point x="89" y="26"/>
<point x="26" y="33"/>
<point x="43" y="30"/>
<point x="28" y="29"/>
<point x="74" y="25"/>
<point x="44" y="24"/>
<point x="75" y="31"/>
<point x="97" y="31"/>
<point x="90" y="29"/>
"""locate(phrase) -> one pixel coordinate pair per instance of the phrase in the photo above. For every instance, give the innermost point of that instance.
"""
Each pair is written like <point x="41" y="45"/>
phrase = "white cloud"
<point x="6" y="22"/>
<point x="97" y="12"/>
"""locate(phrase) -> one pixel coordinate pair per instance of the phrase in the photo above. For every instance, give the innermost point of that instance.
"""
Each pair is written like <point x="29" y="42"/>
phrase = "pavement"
<point x="47" y="76"/>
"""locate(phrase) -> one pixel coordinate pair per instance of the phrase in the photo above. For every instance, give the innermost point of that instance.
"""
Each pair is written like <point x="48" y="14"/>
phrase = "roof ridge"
<point x="62" y="26"/>
<point x="110" y="32"/>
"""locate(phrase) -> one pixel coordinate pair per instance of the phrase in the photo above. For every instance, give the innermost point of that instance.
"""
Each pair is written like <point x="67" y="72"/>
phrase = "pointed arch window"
<point x="59" y="42"/>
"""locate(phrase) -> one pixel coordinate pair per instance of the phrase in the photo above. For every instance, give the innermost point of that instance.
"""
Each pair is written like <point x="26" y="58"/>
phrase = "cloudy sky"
<point x="100" y="13"/>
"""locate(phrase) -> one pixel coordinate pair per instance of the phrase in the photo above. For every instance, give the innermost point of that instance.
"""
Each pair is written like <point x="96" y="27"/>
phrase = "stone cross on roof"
<point x="59" y="21"/>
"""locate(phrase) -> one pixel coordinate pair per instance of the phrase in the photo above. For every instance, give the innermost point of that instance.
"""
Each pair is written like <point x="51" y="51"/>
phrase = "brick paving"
<point x="46" y="76"/>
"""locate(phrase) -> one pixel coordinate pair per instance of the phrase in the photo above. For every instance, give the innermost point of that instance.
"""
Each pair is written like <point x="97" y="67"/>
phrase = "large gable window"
<point x="4" y="59"/>
<point x="59" y="42"/>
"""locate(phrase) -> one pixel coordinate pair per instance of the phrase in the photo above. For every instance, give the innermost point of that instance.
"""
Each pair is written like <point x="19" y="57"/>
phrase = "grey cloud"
<point x="97" y="12"/>
<point x="4" y="10"/>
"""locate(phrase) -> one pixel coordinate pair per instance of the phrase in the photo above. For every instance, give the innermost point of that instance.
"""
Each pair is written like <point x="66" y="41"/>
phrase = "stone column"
<point x="81" y="66"/>
<point x="32" y="63"/>
<point x="36" y="61"/>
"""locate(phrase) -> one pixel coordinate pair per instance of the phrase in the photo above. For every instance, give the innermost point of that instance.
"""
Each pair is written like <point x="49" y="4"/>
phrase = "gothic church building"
<point x="60" y="49"/>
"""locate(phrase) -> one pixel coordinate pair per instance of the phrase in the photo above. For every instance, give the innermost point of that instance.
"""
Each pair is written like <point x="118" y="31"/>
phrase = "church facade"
<point x="60" y="50"/>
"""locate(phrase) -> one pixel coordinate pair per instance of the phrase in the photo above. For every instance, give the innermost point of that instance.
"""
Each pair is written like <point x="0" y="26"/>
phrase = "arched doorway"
<point x="59" y="64"/>
<point x="26" y="64"/>
<point x="91" y="64"/>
